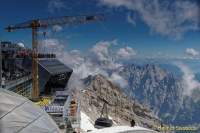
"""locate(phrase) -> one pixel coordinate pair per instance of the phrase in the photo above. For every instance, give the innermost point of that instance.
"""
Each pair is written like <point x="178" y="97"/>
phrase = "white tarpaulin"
<point x="20" y="115"/>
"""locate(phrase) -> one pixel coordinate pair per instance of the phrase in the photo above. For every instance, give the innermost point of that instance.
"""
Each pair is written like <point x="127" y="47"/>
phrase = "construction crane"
<point x="35" y="25"/>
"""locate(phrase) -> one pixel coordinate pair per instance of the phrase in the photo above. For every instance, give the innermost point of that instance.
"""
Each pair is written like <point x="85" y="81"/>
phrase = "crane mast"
<point x="35" y="77"/>
<point x="44" y="23"/>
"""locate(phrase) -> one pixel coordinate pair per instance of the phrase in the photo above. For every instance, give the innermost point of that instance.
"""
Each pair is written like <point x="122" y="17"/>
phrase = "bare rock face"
<point x="159" y="89"/>
<point x="151" y="85"/>
<point x="154" y="86"/>
<point x="121" y="109"/>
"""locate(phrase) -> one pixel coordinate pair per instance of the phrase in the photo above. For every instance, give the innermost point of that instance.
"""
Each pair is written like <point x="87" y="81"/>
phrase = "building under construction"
<point x="13" y="76"/>
<point x="16" y="63"/>
<point x="40" y="76"/>
<point x="16" y="71"/>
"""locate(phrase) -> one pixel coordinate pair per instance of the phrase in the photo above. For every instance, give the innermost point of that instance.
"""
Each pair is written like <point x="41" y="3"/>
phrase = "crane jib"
<point x="41" y="23"/>
<point x="66" y="20"/>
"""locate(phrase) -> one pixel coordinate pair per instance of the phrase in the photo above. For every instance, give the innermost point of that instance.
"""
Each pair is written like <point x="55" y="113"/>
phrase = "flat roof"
<point x="54" y="66"/>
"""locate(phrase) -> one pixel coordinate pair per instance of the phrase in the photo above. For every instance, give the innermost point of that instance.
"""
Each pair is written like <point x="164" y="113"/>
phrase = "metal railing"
<point x="13" y="83"/>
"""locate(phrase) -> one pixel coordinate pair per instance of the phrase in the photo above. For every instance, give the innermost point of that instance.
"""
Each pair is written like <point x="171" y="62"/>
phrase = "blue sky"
<point x="152" y="28"/>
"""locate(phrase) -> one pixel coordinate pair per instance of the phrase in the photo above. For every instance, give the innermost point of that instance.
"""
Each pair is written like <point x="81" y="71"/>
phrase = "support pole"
<point x="35" y="87"/>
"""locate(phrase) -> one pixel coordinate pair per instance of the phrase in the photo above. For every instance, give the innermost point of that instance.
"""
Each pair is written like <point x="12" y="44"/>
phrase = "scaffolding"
<point x="20" y="86"/>
<point x="72" y="114"/>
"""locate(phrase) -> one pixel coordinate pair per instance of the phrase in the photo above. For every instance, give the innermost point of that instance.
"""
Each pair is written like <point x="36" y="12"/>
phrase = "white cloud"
<point x="126" y="53"/>
<point x="104" y="55"/>
<point x="131" y="20"/>
<point x="98" y="60"/>
<point x="119" y="80"/>
<point x="168" y="18"/>
<point x="189" y="81"/>
<point x="57" y="28"/>
<point x="55" y="5"/>
<point x="50" y="42"/>
<point x="192" y="52"/>
<point x="101" y="50"/>
<point x="50" y="45"/>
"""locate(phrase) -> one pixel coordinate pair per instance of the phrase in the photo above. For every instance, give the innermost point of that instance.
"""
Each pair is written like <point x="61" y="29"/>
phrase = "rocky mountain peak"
<point x="121" y="108"/>
<point x="156" y="87"/>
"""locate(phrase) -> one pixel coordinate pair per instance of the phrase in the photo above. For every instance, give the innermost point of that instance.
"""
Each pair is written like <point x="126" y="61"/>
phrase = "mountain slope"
<point x="162" y="91"/>
<point x="120" y="109"/>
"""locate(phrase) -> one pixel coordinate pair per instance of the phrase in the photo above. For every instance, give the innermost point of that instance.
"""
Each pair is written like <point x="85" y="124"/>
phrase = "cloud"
<point x="55" y="6"/>
<point x="119" y="80"/>
<point x="131" y="19"/>
<point x="57" y="28"/>
<point x="189" y="82"/>
<point x="192" y="52"/>
<point x="168" y="18"/>
<point x="97" y="60"/>
<point x="101" y="50"/>
<point x="50" y="42"/>
<point x="126" y="53"/>
<point x="50" y="45"/>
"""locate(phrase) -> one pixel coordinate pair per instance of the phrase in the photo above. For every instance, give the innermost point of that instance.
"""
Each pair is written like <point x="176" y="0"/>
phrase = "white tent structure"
<point x="20" y="115"/>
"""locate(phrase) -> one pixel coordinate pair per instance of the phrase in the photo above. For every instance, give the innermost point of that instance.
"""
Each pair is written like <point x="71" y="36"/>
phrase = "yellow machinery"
<point x="44" y="23"/>
<point x="45" y="101"/>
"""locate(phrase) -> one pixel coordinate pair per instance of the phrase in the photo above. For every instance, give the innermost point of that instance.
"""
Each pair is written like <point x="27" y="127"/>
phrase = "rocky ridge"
<point x="121" y="109"/>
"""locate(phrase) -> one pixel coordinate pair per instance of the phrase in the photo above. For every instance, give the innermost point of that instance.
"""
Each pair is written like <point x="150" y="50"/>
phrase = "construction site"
<point x="34" y="84"/>
<point x="41" y="77"/>
<point x="99" y="66"/>
<point x="40" y="81"/>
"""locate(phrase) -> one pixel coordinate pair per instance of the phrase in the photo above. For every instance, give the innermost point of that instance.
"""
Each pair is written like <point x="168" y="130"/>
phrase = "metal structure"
<point x="72" y="113"/>
<point x="14" y="76"/>
<point x="53" y="76"/>
<point x="35" y="25"/>
<point x="103" y="121"/>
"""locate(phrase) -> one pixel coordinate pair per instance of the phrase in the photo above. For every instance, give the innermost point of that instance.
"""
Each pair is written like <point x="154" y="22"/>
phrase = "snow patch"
<point x="86" y="123"/>
<point x="124" y="129"/>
